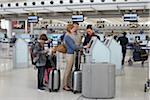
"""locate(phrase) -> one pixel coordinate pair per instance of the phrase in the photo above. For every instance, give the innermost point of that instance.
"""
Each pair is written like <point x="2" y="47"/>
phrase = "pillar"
<point x="26" y="26"/>
<point x="31" y="28"/>
<point x="9" y="28"/>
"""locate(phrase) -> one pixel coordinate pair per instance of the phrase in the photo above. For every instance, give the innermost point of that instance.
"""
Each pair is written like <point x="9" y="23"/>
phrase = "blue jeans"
<point x="40" y="76"/>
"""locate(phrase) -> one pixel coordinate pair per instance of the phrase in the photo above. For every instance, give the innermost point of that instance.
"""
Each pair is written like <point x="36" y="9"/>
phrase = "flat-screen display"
<point x="33" y="19"/>
<point x="77" y="18"/>
<point x="18" y="24"/>
<point x="130" y="17"/>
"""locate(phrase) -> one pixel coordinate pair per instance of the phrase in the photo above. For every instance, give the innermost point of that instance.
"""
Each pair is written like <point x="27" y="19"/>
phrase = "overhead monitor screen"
<point x="130" y="17"/>
<point x="33" y="19"/>
<point x="77" y="18"/>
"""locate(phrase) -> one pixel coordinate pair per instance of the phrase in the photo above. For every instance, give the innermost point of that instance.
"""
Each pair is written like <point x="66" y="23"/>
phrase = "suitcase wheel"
<point x="56" y="90"/>
<point x="74" y="92"/>
<point x="130" y="62"/>
<point x="50" y="90"/>
<point x="145" y="88"/>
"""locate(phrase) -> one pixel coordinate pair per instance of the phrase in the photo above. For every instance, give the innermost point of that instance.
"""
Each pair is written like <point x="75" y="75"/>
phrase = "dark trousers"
<point x="123" y="56"/>
<point x="40" y="76"/>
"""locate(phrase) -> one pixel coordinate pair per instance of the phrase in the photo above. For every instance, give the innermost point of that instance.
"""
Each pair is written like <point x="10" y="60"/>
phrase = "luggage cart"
<point x="138" y="54"/>
<point x="147" y="84"/>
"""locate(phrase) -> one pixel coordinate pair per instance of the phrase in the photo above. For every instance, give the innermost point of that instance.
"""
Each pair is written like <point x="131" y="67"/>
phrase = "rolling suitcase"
<point x="136" y="56"/>
<point x="98" y="80"/>
<point x="77" y="75"/>
<point x="143" y="55"/>
<point x="54" y="79"/>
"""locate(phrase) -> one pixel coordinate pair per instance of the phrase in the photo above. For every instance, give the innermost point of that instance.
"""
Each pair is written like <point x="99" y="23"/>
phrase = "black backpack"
<point x="32" y="54"/>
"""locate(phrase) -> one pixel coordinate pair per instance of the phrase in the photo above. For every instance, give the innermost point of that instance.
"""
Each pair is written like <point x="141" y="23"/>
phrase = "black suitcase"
<point x="144" y="55"/>
<point x="136" y="56"/>
<point x="77" y="75"/>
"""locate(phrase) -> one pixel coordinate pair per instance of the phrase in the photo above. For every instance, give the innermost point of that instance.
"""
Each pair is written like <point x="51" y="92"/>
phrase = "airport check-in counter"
<point x="98" y="74"/>
<point x="97" y="52"/>
<point x="109" y="51"/>
<point x="115" y="54"/>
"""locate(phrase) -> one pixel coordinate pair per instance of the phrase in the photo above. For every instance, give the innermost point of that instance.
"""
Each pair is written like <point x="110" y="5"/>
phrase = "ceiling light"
<point x="71" y="1"/>
<point x="92" y="1"/>
<point x="33" y="3"/>
<point x="81" y="1"/>
<point x="17" y="4"/>
<point x="42" y="2"/>
<point x="9" y="4"/>
<point x="102" y="0"/>
<point x="51" y="2"/>
<point x="25" y="4"/>
<point x="61" y="1"/>
<point x="1" y="5"/>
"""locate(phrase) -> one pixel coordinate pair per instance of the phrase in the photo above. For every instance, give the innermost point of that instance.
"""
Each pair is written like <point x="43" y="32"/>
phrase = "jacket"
<point x="123" y="42"/>
<point x="88" y="38"/>
<point x="40" y="55"/>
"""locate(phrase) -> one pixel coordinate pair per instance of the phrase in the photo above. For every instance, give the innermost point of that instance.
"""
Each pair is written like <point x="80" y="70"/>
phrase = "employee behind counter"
<point x="89" y="35"/>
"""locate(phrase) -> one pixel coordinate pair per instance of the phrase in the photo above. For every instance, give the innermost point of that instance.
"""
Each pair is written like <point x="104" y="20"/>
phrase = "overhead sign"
<point x="33" y="19"/>
<point x="77" y="18"/>
<point x="130" y="17"/>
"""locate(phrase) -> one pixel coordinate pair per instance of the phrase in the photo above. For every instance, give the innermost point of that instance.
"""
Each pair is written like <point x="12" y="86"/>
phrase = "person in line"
<point x="40" y="59"/>
<point x="90" y="34"/>
<point x="71" y="48"/>
<point x="77" y="35"/>
<point x="123" y="42"/>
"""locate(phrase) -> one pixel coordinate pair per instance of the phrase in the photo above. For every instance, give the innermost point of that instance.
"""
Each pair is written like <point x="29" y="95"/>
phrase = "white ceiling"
<point x="93" y="7"/>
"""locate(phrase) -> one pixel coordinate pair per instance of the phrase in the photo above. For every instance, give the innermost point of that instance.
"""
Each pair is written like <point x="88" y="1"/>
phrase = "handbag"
<point x="61" y="48"/>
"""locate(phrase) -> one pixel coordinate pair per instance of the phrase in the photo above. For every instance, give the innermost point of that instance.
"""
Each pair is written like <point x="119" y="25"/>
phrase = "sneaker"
<point x="41" y="89"/>
<point x="44" y="85"/>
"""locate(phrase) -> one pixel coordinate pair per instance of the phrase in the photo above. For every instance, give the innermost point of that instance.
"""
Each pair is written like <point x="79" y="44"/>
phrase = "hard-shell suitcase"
<point x="54" y="77"/>
<point x="77" y="81"/>
<point x="54" y="80"/>
<point x="98" y="80"/>
<point x="77" y="75"/>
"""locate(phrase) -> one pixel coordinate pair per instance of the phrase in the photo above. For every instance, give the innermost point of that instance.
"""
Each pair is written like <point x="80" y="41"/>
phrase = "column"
<point x="31" y="28"/>
<point x="9" y="28"/>
<point x="26" y="26"/>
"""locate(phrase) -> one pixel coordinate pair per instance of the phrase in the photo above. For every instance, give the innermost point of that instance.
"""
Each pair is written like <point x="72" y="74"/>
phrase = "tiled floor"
<point x="20" y="84"/>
